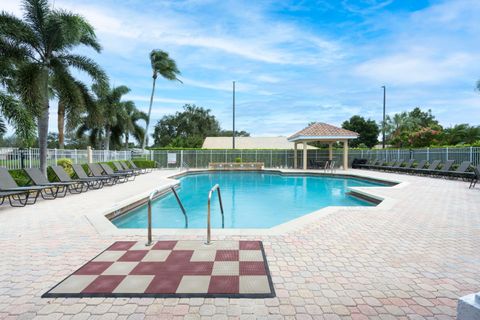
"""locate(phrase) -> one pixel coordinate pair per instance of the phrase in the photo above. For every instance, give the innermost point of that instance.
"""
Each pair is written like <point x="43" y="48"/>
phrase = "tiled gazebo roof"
<point x="322" y="131"/>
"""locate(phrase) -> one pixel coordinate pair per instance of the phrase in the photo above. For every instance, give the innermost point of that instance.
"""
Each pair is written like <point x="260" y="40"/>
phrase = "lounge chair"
<point x="461" y="171"/>
<point x="119" y="169"/>
<point x="368" y="163"/>
<point x="381" y="164"/>
<point x="434" y="165"/>
<point x="445" y="168"/>
<point x="407" y="166"/>
<point x="97" y="171"/>
<point x="134" y="166"/>
<point x="395" y="165"/>
<point x="38" y="179"/>
<point x="122" y="175"/>
<point x="87" y="183"/>
<point x="419" y="165"/>
<point x="81" y="174"/>
<point x="475" y="177"/>
<point x="9" y="187"/>
<point x="125" y="166"/>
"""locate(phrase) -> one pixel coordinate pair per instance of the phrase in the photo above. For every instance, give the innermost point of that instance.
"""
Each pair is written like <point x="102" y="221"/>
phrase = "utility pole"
<point x="383" y="124"/>
<point x="233" y="131"/>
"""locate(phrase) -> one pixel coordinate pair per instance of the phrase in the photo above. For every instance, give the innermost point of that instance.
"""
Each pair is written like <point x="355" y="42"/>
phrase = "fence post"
<point x="181" y="158"/>
<point x="196" y="158"/>
<point x="271" y="158"/>
<point x="447" y="154"/>
<point x="286" y="159"/>
<point x="226" y="155"/>
<point x="89" y="154"/>
<point x="55" y="155"/>
<point x="211" y="156"/>
<point x="471" y="154"/>
<point x="30" y="157"/>
<point x="428" y="154"/>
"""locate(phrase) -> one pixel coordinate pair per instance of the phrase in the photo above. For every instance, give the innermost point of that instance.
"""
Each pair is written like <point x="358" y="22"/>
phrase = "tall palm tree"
<point x="165" y="66"/>
<point x="45" y="39"/>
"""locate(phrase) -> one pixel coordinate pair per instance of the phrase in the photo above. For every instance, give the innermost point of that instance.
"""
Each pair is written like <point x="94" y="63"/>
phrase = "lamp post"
<point x="383" y="124"/>
<point x="233" y="131"/>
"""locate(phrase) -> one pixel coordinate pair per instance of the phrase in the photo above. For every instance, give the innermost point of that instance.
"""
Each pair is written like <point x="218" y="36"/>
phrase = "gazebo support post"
<point x="330" y="151"/>
<point x="345" y="154"/>
<point x="295" y="164"/>
<point x="304" y="155"/>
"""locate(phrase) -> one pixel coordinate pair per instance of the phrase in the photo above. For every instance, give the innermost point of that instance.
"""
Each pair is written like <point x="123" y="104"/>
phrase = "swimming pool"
<point x="250" y="200"/>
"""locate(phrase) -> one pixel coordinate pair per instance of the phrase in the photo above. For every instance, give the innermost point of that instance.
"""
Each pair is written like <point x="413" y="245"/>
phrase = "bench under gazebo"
<point x="324" y="133"/>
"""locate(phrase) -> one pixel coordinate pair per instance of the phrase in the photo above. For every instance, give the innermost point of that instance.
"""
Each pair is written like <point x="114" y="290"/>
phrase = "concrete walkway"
<point x="410" y="260"/>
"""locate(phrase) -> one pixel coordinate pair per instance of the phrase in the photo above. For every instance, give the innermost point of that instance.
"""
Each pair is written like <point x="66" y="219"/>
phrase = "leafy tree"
<point x="165" y="66"/>
<point x="129" y="124"/>
<point x="460" y="134"/>
<point x="42" y="45"/>
<point x="186" y="129"/>
<point x="229" y="133"/>
<point x="424" y="137"/>
<point x="368" y="131"/>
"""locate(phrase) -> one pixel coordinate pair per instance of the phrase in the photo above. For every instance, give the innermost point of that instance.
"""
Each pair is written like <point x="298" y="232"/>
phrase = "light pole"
<point x="233" y="131"/>
<point x="383" y="124"/>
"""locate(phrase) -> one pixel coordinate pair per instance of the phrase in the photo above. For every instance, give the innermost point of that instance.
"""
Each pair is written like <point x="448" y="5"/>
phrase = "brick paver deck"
<point x="408" y="261"/>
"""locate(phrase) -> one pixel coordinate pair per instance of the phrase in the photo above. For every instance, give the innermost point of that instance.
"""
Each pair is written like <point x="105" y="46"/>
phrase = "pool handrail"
<point x="209" y="229"/>
<point x="149" y="206"/>
<point x="181" y="205"/>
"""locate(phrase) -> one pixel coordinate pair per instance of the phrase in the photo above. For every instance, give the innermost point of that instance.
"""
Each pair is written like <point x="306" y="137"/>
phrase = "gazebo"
<point x="325" y="133"/>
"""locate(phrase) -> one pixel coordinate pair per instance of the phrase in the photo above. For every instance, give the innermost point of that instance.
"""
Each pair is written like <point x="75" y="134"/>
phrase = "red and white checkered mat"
<point x="172" y="269"/>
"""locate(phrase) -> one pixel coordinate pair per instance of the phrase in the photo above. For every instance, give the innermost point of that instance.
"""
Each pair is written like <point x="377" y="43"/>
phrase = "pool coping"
<point x="103" y="225"/>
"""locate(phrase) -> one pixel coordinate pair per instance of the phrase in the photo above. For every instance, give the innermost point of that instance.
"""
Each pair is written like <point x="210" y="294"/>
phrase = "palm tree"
<point x="44" y="40"/>
<point x="106" y="119"/>
<point x="165" y="66"/>
<point x="130" y="125"/>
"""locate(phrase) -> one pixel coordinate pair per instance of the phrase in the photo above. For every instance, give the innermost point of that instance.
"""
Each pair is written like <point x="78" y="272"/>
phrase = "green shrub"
<point x="238" y="160"/>
<point x="20" y="177"/>
<point x="66" y="163"/>
<point x="145" y="163"/>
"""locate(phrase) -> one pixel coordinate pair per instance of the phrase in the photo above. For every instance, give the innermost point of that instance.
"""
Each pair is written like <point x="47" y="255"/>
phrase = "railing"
<point x="209" y="231"/>
<point x="149" y="211"/>
<point x="181" y="205"/>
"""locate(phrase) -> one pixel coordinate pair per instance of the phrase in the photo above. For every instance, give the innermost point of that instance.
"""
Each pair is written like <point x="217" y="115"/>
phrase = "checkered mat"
<point x="234" y="269"/>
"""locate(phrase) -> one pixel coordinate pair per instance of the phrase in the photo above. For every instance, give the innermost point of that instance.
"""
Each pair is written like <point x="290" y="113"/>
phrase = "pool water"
<point x="250" y="200"/>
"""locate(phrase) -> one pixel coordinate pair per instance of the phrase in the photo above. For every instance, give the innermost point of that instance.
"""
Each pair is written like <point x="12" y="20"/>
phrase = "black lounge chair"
<point x="119" y="169"/>
<point x="461" y="171"/>
<point x="407" y="166"/>
<point x="475" y="177"/>
<point x="444" y="170"/>
<point x="432" y="167"/>
<point x="134" y="166"/>
<point x="381" y="164"/>
<point x="38" y="179"/>
<point x="419" y="165"/>
<point x="14" y="198"/>
<point x="97" y="172"/>
<point x="368" y="163"/>
<point x="122" y="175"/>
<point x="87" y="183"/>
<point x="395" y="165"/>
<point x="126" y="167"/>
<point x="30" y="193"/>
<point x="81" y="174"/>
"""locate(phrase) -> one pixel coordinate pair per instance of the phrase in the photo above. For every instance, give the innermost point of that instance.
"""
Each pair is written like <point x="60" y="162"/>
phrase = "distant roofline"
<point x="319" y="138"/>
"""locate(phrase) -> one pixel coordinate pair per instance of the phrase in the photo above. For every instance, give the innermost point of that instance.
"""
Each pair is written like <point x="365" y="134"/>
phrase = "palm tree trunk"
<point x="126" y="141"/>
<point x="107" y="138"/>
<point x="149" y="112"/>
<point x="43" y="126"/>
<point x="61" y="124"/>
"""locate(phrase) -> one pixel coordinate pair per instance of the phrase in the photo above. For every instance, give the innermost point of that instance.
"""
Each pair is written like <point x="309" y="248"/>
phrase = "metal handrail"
<point x="209" y="231"/>
<point x="149" y="208"/>
<point x="181" y="205"/>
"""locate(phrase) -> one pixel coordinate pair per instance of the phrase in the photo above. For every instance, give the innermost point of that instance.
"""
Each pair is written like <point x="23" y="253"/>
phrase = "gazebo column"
<point x="345" y="154"/>
<point x="304" y="155"/>
<point x="295" y="165"/>
<point x="330" y="151"/>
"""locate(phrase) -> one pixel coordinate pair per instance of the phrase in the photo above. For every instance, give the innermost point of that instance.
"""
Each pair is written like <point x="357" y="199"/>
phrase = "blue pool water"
<point x="250" y="200"/>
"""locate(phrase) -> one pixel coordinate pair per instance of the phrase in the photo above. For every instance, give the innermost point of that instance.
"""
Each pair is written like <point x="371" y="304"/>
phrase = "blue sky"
<point x="294" y="61"/>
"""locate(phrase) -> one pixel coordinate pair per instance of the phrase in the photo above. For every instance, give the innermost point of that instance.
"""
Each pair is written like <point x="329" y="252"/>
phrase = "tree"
<point x="186" y="129"/>
<point x="368" y="131"/>
<point x="165" y="66"/>
<point x="42" y="43"/>
<point x="129" y="124"/>
<point x="228" y="133"/>
<point x="461" y="134"/>
<point x="107" y="119"/>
